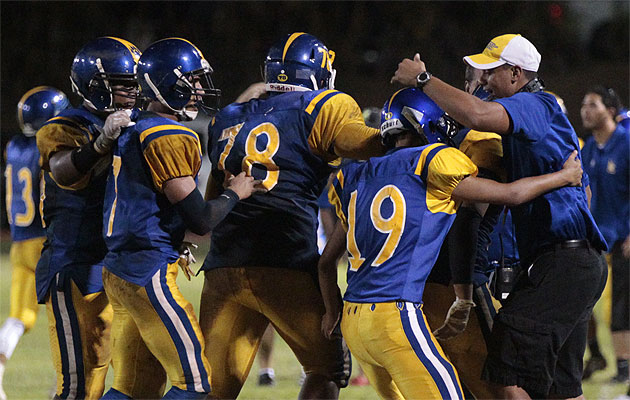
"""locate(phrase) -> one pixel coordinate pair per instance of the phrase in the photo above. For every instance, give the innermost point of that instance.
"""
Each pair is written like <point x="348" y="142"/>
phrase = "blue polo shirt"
<point x="608" y="167"/>
<point x="542" y="139"/>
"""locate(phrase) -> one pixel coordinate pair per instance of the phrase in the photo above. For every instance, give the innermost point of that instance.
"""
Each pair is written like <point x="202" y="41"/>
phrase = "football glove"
<point x="111" y="130"/>
<point x="186" y="258"/>
<point x="456" y="319"/>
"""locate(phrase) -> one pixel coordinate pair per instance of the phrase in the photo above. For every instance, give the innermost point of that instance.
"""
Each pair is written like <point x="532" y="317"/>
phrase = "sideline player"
<point x="22" y="198"/>
<point x="75" y="151"/>
<point x="606" y="160"/>
<point x="150" y="200"/>
<point x="395" y="212"/>
<point x="263" y="256"/>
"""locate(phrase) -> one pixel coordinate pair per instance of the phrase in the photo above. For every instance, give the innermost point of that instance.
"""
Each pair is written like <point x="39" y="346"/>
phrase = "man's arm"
<point x="201" y="216"/>
<point x="327" y="272"/>
<point x="522" y="190"/>
<point x="467" y="109"/>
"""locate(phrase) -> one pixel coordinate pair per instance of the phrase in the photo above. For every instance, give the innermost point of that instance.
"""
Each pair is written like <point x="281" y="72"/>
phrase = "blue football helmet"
<point x="410" y="109"/>
<point x="299" y="62"/>
<point x="99" y="66"/>
<point x="174" y="72"/>
<point x="37" y="106"/>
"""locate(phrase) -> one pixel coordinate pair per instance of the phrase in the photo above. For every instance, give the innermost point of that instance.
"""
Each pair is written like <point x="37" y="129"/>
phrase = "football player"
<point x="150" y="200"/>
<point x="263" y="255"/>
<point x="75" y="150"/>
<point x="395" y="212"/>
<point x="22" y="175"/>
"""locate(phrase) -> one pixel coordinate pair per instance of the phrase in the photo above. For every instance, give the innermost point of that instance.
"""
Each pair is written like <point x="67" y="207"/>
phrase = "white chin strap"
<point x="158" y="95"/>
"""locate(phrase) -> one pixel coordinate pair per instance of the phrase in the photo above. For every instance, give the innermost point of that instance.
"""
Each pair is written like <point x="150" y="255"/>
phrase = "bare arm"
<point x="465" y="108"/>
<point x="254" y="91"/>
<point x="63" y="169"/>
<point x="522" y="190"/>
<point x="327" y="272"/>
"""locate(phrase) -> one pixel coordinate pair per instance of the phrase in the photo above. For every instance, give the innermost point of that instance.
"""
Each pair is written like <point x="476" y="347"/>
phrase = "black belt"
<point x="566" y="244"/>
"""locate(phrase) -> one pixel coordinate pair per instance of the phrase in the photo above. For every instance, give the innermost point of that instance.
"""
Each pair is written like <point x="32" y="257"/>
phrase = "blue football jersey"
<point x="609" y="170"/>
<point x="22" y="176"/>
<point x="72" y="215"/>
<point x="141" y="227"/>
<point x="397" y="210"/>
<point x="287" y="141"/>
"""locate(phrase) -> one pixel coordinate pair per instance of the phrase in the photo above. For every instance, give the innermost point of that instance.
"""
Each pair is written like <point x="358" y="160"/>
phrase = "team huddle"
<point x="416" y="203"/>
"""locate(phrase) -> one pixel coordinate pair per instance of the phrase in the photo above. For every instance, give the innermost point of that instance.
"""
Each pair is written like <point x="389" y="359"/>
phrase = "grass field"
<point x="30" y="375"/>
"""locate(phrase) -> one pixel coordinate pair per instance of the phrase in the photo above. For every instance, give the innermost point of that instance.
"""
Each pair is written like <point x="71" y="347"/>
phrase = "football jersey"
<point x="397" y="210"/>
<point x="142" y="229"/>
<point x="22" y="176"/>
<point x="541" y="140"/>
<point x="287" y="141"/>
<point x="72" y="214"/>
<point x="609" y="169"/>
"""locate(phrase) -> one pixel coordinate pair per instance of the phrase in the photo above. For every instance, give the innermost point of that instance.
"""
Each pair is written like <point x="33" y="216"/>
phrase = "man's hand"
<point x="456" y="319"/>
<point x="408" y="70"/>
<point x="186" y="258"/>
<point x="572" y="170"/>
<point x="329" y="323"/>
<point x="111" y="130"/>
<point x="243" y="185"/>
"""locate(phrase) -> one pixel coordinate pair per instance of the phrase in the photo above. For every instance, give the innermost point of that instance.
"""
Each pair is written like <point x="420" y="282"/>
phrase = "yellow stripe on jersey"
<point x="289" y="42"/>
<point x="423" y="157"/>
<point x="172" y="156"/>
<point x="317" y="99"/>
<point x="448" y="167"/>
<point x="333" y="198"/>
<point x="52" y="138"/>
<point x="339" y="130"/>
<point x="485" y="150"/>
<point x="161" y="128"/>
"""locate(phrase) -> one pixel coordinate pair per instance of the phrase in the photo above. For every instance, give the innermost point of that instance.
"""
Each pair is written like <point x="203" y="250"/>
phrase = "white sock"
<point x="269" y="371"/>
<point x="10" y="335"/>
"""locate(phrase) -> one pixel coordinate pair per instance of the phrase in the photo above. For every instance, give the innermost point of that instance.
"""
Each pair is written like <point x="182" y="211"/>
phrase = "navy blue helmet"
<point x="99" y="66"/>
<point x="37" y="106"/>
<point x="174" y="72"/>
<point x="299" y="62"/>
<point x="410" y="109"/>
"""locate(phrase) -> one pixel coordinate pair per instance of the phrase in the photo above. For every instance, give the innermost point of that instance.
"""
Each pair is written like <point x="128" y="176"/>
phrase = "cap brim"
<point x="482" y="61"/>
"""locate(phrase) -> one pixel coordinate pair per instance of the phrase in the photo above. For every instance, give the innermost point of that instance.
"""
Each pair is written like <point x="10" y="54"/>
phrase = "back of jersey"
<point x="273" y="140"/>
<point x="397" y="209"/>
<point x="22" y="191"/>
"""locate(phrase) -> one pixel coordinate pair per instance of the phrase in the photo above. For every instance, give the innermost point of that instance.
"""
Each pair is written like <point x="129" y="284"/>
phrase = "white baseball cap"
<point x="507" y="49"/>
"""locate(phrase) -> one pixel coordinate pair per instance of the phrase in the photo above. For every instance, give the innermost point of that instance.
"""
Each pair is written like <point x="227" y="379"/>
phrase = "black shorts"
<point x="539" y="335"/>
<point x="620" y="320"/>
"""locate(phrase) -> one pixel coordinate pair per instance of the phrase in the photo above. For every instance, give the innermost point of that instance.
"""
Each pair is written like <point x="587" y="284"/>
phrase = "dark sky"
<point x="39" y="40"/>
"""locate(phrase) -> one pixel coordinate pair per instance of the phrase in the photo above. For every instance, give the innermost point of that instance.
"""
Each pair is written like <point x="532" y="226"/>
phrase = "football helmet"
<point x="410" y="109"/>
<point x="37" y="106"/>
<point x="174" y="72"/>
<point x="299" y="62"/>
<point x="99" y="66"/>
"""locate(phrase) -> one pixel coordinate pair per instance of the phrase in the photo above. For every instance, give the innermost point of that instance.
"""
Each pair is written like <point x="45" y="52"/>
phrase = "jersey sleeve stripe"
<point x="427" y="161"/>
<point x="334" y="196"/>
<point x="311" y="106"/>
<point x="154" y="132"/>
<point x="423" y="156"/>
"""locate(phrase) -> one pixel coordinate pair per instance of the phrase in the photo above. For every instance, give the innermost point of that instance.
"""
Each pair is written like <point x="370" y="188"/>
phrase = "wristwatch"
<point x="422" y="79"/>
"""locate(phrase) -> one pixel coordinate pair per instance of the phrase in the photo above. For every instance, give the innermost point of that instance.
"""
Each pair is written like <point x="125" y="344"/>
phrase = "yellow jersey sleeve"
<point x="485" y="150"/>
<point x="52" y="138"/>
<point x="334" y="197"/>
<point x="172" y="155"/>
<point x="445" y="168"/>
<point x="339" y="131"/>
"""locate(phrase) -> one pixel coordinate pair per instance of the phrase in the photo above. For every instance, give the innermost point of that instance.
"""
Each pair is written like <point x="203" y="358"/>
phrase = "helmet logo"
<point x="388" y="116"/>
<point x="282" y="77"/>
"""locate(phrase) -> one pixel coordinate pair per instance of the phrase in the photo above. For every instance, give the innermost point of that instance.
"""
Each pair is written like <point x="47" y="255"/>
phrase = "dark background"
<point x="581" y="43"/>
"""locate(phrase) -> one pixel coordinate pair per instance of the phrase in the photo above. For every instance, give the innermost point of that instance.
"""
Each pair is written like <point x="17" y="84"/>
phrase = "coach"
<point x="539" y="335"/>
